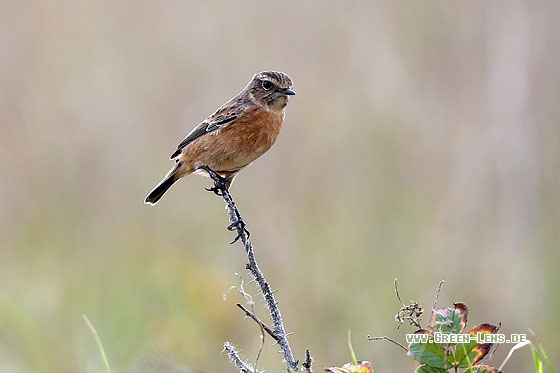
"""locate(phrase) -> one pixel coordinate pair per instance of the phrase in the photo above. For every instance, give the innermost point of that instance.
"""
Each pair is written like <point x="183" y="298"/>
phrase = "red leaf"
<point x="483" y="348"/>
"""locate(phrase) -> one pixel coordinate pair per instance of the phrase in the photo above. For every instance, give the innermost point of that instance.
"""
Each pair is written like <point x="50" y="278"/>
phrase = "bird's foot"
<point x="239" y="226"/>
<point x="221" y="188"/>
<point x="220" y="183"/>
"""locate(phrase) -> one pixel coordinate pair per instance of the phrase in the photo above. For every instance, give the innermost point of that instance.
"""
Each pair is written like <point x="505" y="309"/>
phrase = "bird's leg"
<point x="220" y="188"/>
<point x="220" y="183"/>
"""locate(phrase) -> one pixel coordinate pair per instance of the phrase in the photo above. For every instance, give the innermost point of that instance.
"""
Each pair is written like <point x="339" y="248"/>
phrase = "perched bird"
<point x="239" y="132"/>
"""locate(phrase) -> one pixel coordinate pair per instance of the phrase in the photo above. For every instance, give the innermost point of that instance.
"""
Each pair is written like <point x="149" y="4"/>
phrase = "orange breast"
<point x="238" y="144"/>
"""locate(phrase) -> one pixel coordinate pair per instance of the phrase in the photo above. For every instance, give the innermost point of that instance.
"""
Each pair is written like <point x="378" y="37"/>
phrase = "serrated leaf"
<point x="429" y="369"/>
<point x="429" y="353"/>
<point x="450" y="319"/>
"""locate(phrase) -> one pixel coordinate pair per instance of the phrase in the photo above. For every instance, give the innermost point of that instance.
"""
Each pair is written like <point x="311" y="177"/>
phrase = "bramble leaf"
<point x="469" y="354"/>
<point x="429" y="353"/>
<point x="429" y="369"/>
<point x="450" y="319"/>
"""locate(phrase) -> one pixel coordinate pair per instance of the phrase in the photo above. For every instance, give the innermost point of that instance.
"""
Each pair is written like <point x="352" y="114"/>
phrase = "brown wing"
<point x="224" y="115"/>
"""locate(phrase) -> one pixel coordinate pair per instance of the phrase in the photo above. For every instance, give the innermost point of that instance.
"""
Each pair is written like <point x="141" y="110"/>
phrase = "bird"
<point x="234" y="136"/>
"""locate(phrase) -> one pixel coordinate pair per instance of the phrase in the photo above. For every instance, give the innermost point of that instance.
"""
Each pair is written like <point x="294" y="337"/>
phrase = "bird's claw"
<point x="217" y="190"/>
<point x="220" y="188"/>
<point x="239" y="226"/>
<point x="220" y="183"/>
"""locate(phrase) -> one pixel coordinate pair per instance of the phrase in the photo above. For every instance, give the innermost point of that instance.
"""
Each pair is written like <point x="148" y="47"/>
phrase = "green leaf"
<point x="430" y="353"/>
<point x="429" y="369"/>
<point x="465" y="355"/>
<point x="450" y="319"/>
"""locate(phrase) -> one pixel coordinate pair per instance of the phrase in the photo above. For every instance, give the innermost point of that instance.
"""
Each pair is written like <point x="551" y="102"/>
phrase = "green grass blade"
<point x="545" y="357"/>
<point x="536" y="358"/>
<point x="99" y="344"/>
<point x="351" y="348"/>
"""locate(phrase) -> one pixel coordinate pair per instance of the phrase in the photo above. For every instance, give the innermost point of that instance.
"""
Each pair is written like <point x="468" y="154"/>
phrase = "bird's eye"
<point x="267" y="85"/>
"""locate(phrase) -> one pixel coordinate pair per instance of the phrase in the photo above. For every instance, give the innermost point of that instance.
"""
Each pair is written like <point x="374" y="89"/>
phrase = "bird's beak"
<point x="288" y="92"/>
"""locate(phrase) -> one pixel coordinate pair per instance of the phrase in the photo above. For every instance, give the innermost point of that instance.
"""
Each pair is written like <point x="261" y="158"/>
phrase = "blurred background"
<point x="423" y="144"/>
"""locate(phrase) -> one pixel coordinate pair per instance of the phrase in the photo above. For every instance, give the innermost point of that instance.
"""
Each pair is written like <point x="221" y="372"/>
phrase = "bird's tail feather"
<point x="163" y="186"/>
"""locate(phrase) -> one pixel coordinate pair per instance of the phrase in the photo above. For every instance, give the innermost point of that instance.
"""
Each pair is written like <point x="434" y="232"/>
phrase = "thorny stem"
<point x="237" y="223"/>
<point x="385" y="338"/>
<point x="237" y="361"/>
<point x="264" y="327"/>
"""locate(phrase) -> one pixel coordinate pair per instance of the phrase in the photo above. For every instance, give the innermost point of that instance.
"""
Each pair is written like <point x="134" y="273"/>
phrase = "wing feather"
<point x="221" y="118"/>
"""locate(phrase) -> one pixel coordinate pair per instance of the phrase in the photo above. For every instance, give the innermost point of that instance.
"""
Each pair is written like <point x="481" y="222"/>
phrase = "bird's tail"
<point x="163" y="186"/>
